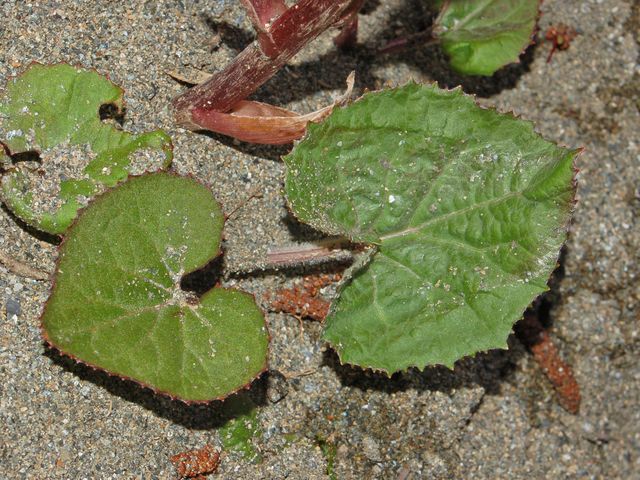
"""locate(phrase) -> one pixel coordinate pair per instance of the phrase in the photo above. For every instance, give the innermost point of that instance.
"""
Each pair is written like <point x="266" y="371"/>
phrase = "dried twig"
<point x="298" y="254"/>
<point x="198" y="78"/>
<point x="546" y="354"/>
<point x="22" y="269"/>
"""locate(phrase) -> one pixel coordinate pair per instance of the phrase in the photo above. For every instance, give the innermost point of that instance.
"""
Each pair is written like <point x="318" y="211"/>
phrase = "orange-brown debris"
<point x="558" y="372"/>
<point x="195" y="464"/>
<point x="560" y="37"/>
<point x="305" y="301"/>
<point x="547" y="356"/>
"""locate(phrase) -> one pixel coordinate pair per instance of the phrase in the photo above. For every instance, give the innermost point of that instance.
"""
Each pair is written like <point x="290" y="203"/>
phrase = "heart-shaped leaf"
<point x="117" y="302"/>
<point x="481" y="36"/>
<point x="54" y="112"/>
<point x="466" y="208"/>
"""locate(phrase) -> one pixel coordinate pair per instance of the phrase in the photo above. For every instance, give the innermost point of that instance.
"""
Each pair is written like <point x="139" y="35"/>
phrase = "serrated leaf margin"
<point x="368" y="256"/>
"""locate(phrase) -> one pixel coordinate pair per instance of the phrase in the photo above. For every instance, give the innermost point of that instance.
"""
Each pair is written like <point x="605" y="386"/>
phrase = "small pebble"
<point x="13" y="307"/>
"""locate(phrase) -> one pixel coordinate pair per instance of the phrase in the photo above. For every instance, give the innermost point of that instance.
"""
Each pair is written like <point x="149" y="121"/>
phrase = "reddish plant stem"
<point x="400" y="44"/>
<point x="278" y="41"/>
<point x="262" y="12"/>
<point x="348" y="37"/>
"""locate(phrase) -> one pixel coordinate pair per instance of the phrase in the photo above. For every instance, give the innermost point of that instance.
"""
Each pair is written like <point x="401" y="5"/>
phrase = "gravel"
<point x="494" y="416"/>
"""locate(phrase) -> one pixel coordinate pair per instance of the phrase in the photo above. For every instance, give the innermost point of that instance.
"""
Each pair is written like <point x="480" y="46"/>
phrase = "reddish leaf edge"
<point x="350" y="272"/>
<point x="48" y="343"/>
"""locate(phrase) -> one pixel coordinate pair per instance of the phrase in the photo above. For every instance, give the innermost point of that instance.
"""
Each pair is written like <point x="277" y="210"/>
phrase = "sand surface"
<point x="495" y="416"/>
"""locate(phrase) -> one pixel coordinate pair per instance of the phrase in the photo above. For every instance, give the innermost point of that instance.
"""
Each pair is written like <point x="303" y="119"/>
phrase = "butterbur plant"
<point x="117" y="303"/>
<point x="459" y="211"/>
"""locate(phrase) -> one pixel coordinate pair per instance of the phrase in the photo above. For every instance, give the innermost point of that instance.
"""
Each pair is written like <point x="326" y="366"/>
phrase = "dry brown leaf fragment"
<point x="197" y="77"/>
<point x="547" y="356"/>
<point x="305" y="301"/>
<point x="22" y="269"/>
<point x="195" y="464"/>
<point x="258" y="122"/>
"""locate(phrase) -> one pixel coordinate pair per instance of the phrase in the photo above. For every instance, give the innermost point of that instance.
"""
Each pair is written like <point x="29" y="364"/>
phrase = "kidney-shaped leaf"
<point x="54" y="111"/>
<point x="481" y="36"/>
<point x="117" y="302"/>
<point x="467" y="209"/>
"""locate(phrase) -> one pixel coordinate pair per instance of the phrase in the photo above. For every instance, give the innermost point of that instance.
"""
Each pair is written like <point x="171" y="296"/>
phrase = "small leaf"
<point x="238" y="433"/>
<point x="481" y="36"/>
<point x="117" y="302"/>
<point x="466" y="208"/>
<point x="53" y="112"/>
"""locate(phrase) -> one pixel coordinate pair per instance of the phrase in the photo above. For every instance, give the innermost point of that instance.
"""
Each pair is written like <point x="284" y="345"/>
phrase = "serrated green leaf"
<point x="466" y="209"/>
<point x="481" y="36"/>
<point x="117" y="302"/>
<point x="54" y="110"/>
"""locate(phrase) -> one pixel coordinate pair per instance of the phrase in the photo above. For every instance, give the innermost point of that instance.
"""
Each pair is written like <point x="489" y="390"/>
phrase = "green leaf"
<point x="117" y="302"/>
<point x="238" y="433"/>
<point x="466" y="210"/>
<point x="481" y="36"/>
<point x="54" y="111"/>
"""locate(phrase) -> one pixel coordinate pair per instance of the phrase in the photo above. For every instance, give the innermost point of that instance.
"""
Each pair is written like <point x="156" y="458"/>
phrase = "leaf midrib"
<point x="458" y="33"/>
<point x="472" y="15"/>
<point x="431" y="221"/>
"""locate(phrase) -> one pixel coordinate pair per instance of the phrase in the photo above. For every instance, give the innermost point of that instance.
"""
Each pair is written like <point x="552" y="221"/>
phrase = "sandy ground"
<point x="495" y="416"/>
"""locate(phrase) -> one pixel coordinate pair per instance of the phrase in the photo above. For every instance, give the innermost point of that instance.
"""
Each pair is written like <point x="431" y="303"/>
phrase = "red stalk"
<point x="263" y="11"/>
<point x="279" y="40"/>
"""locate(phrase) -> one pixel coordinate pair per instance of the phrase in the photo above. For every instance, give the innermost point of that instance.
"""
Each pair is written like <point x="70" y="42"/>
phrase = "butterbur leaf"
<point x="465" y="210"/>
<point x="481" y="36"/>
<point x="117" y="303"/>
<point x="51" y="116"/>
